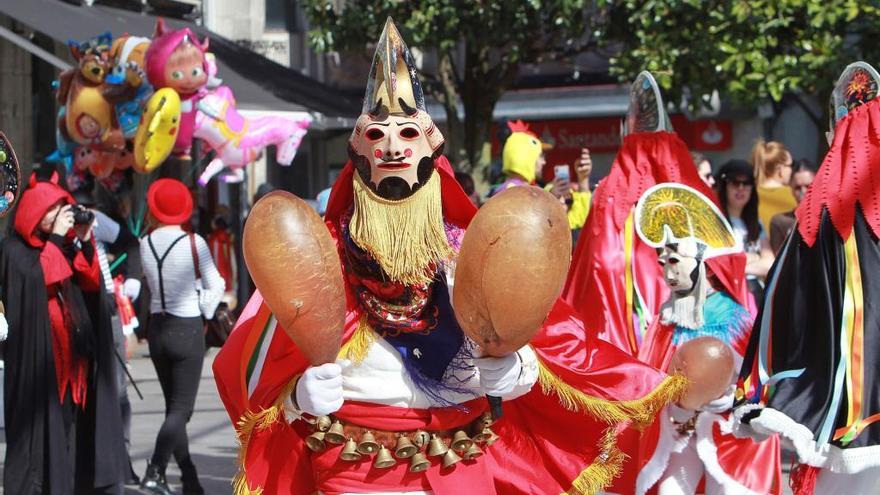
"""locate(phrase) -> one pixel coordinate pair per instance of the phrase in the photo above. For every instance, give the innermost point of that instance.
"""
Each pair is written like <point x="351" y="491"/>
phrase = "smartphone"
<point x="562" y="173"/>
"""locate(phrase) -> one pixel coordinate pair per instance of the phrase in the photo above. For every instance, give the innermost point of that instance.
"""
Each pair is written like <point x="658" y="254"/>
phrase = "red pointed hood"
<point x="597" y="279"/>
<point x="34" y="203"/>
<point x="848" y="175"/>
<point x="457" y="207"/>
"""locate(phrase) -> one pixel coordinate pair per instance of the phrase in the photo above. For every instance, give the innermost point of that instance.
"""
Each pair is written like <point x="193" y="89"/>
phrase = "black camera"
<point x="82" y="215"/>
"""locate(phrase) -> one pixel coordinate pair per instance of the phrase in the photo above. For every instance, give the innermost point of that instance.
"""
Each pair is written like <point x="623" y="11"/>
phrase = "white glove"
<point x="4" y="327"/>
<point x="499" y="376"/>
<point x="319" y="390"/>
<point x="721" y="404"/>
<point x="131" y="288"/>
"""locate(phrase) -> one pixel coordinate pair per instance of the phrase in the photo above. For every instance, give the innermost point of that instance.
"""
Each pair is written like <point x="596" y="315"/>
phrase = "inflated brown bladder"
<point x="295" y="265"/>
<point x="708" y="364"/>
<point x="511" y="268"/>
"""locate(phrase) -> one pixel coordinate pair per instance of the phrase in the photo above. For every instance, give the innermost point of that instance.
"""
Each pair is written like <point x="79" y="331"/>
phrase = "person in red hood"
<point x="53" y="388"/>
<point x="222" y="246"/>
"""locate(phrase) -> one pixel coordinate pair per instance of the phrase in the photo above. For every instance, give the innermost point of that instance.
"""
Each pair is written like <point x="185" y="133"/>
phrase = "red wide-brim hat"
<point x="169" y="201"/>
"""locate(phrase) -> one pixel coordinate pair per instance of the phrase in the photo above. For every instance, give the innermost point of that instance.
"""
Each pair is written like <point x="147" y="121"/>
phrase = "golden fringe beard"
<point x="406" y="236"/>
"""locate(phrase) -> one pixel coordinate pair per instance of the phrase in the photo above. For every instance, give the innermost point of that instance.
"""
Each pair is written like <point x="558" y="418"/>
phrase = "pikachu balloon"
<point x="157" y="130"/>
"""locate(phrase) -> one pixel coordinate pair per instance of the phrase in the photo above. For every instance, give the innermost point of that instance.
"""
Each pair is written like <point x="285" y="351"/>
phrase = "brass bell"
<point x="368" y="444"/>
<point x="461" y="441"/>
<point x="349" y="452"/>
<point x="315" y="441"/>
<point x="384" y="459"/>
<point x="418" y="463"/>
<point x="450" y="458"/>
<point x="486" y="420"/>
<point x="335" y="434"/>
<point x="472" y="452"/>
<point x="404" y="448"/>
<point x="322" y="423"/>
<point x="437" y="446"/>
<point x="492" y="437"/>
<point x="483" y="435"/>
<point x="421" y="438"/>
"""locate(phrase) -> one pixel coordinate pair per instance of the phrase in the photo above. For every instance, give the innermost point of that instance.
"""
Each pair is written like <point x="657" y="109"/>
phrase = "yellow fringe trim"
<point x="404" y="237"/>
<point x="593" y="479"/>
<point x="641" y="411"/>
<point x="249" y="423"/>
<point x="357" y="347"/>
<point x="607" y="466"/>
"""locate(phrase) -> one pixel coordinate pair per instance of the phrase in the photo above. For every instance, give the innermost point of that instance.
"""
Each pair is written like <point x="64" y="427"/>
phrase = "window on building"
<point x="278" y="14"/>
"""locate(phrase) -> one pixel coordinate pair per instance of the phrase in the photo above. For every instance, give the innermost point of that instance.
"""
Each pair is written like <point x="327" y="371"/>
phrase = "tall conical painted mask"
<point x="395" y="142"/>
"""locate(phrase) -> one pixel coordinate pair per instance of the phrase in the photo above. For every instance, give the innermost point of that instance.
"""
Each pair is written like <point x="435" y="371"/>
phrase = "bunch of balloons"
<point x="131" y="102"/>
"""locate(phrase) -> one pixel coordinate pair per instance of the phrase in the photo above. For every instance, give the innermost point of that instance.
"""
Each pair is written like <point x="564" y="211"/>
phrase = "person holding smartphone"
<point x="575" y="195"/>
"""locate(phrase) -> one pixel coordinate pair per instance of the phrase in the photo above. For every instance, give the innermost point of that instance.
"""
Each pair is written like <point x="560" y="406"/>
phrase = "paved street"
<point x="212" y="440"/>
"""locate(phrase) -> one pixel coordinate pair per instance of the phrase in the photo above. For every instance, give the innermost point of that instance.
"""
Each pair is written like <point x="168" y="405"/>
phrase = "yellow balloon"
<point x="157" y="130"/>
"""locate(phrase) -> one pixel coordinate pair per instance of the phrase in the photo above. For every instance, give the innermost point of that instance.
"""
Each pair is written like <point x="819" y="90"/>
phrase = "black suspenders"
<point x="159" y="262"/>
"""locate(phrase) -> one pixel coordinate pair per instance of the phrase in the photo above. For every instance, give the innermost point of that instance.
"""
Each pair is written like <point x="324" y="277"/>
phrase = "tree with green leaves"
<point x="751" y="51"/>
<point x="479" y="47"/>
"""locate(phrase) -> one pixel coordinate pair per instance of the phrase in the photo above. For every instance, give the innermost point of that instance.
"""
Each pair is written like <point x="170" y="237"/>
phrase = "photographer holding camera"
<point x="60" y="382"/>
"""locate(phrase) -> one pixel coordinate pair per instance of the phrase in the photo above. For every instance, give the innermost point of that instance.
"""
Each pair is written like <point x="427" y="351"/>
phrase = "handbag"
<point x="219" y="326"/>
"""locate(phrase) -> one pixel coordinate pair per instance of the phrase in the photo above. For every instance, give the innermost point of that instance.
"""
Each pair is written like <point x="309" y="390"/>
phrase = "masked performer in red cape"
<point x="811" y="369"/>
<point x="615" y="283"/>
<point x="684" y="446"/>
<point x="407" y="383"/>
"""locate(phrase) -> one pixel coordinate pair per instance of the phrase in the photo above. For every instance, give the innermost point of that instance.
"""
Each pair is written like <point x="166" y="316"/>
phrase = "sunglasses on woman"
<point x="737" y="183"/>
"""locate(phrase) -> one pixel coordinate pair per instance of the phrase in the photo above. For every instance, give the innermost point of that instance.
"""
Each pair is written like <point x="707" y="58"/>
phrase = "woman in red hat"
<point x="176" y="264"/>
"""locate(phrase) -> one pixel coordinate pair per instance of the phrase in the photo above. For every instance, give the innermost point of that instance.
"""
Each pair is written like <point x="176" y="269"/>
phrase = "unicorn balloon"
<point x="238" y="140"/>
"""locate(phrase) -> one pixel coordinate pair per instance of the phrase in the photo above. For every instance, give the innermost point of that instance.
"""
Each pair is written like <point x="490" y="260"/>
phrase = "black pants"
<point x="177" y="348"/>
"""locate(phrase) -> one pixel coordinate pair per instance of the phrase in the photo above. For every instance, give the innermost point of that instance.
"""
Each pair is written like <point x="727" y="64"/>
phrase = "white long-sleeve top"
<point x="382" y="379"/>
<point x="178" y="274"/>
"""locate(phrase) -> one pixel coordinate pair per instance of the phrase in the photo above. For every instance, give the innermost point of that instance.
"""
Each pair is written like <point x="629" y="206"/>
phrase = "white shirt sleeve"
<point x="106" y="229"/>
<point x="213" y="285"/>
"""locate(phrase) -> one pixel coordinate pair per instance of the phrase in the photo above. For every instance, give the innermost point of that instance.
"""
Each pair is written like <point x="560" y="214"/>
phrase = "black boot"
<point x="189" y="478"/>
<point x="154" y="481"/>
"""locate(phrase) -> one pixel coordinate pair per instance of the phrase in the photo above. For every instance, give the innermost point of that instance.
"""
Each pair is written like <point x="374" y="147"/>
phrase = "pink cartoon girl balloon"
<point x="176" y="59"/>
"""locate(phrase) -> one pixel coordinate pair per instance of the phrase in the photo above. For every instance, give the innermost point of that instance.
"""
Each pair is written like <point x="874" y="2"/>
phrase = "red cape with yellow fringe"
<point x="558" y="438"/>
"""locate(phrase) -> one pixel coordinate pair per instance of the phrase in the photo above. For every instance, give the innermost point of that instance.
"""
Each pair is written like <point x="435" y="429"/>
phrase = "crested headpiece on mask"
<point x="857" y="85"/>
<point x="669" y="213"/>
<point x="394" y="87"/>
<point x="681" y="221"/>
<point x="645" y="112"/>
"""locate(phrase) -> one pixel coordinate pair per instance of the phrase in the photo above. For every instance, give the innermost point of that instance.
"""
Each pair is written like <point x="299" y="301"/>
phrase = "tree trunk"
<point x="448" y="97"/>
<point x="481" y="89"/>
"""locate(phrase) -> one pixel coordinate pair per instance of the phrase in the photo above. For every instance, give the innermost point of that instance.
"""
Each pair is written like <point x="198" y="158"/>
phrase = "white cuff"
<point x="528" y="373"/>
<point x="291" y="412"/>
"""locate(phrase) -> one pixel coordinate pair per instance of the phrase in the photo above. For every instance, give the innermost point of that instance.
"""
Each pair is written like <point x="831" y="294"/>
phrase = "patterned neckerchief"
<point x="407" y="316"/>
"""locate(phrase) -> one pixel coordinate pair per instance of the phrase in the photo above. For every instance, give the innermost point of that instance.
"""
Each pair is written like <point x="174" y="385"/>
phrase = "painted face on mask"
<point x="393" y="156"/>
<point x="679" y="267"/>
